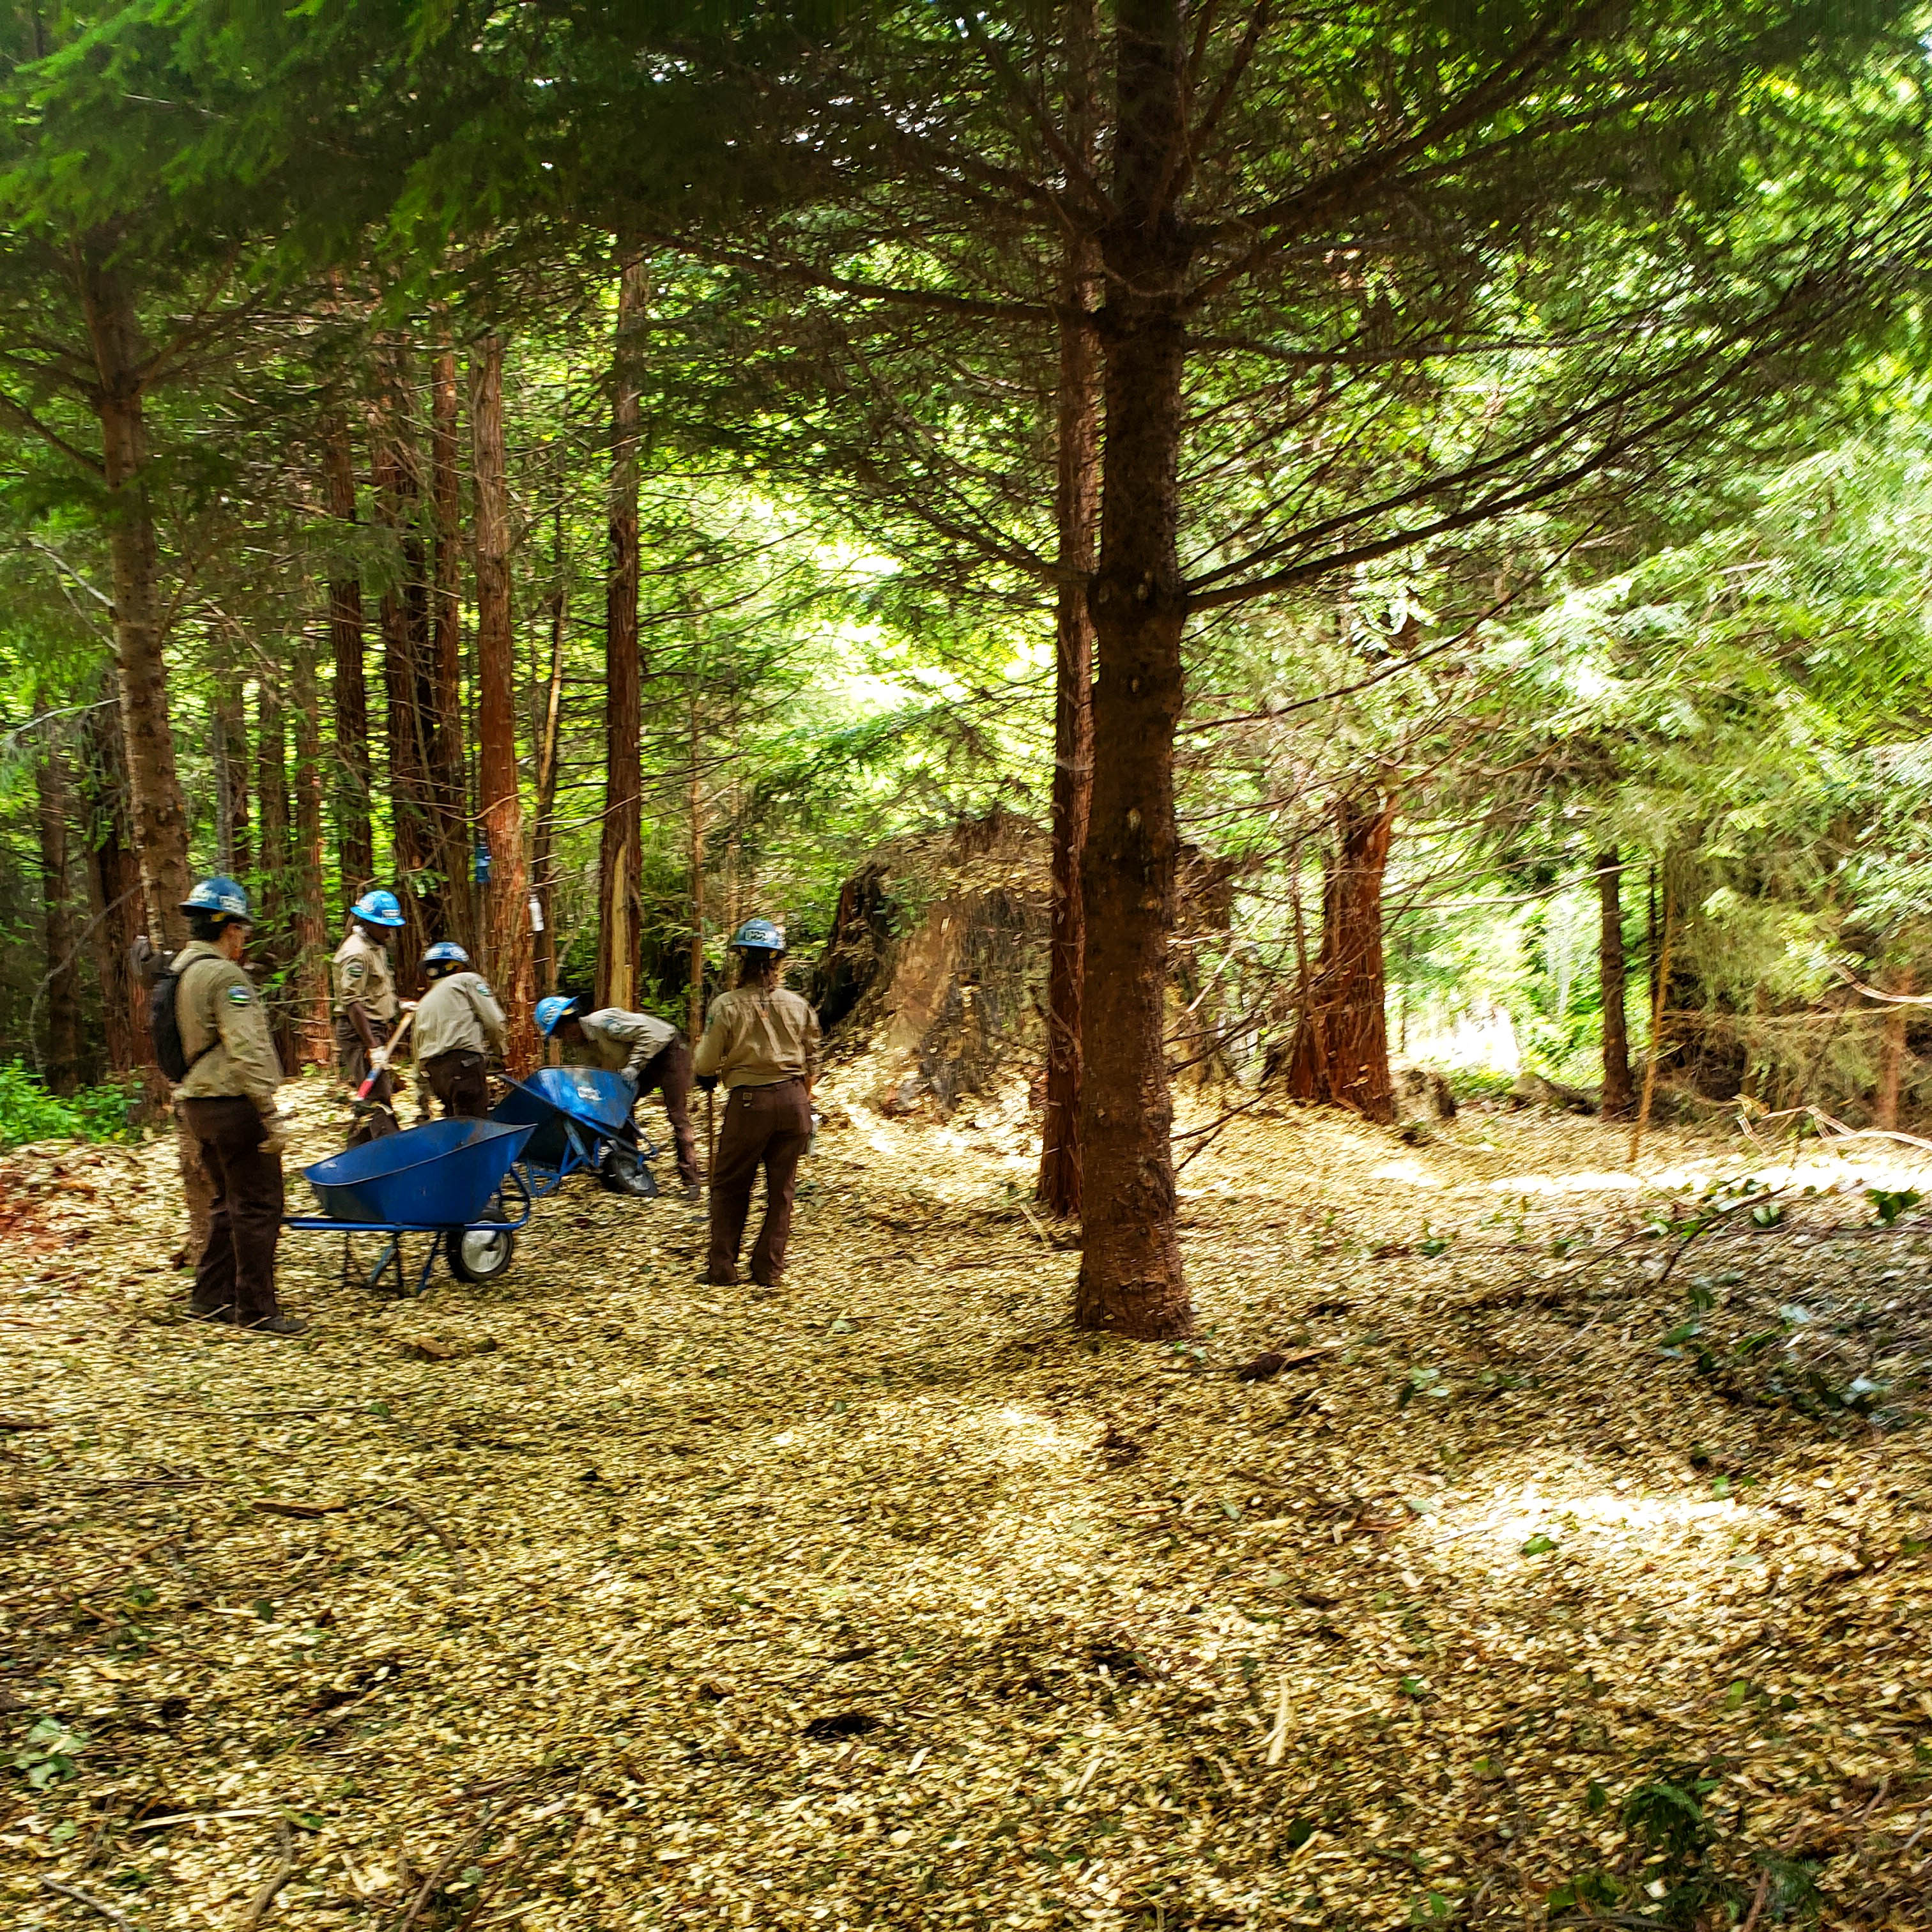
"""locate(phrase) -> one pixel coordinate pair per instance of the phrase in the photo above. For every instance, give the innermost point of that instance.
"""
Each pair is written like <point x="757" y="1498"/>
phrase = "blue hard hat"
<point x="553" y="1010"/>
<point x="759" y="935"/>
<point x="379" y="908"/>
<point x="220" y="894"/>
<point x="445" y="956"/>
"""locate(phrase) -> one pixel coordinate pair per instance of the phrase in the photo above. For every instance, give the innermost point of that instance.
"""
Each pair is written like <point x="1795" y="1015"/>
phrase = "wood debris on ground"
<point x="885" y="1600"/>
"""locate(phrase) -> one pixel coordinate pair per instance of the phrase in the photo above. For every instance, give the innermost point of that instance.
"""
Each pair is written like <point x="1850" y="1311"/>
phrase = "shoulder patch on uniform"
<point x="483" y="987"/>
<point x="237" y="996"/>
<point x="354" y="969"/>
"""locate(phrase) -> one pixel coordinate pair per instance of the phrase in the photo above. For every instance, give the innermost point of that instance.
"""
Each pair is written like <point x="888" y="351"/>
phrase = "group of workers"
<point x="761" y="1040"/>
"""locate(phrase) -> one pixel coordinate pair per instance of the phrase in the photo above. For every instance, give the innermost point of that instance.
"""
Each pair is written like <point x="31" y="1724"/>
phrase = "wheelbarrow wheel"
<point x="480" y="1254"/>
<point x="623" y="1173"/>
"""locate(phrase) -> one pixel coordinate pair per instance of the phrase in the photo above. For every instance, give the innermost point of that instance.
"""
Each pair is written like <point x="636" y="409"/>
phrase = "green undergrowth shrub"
<point x="28" y="1112"/>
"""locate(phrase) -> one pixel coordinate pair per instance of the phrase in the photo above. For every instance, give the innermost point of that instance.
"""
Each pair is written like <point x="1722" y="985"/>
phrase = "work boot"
<point x="194" y="1314"/>
<point x="713" y="1278"/>
<point x="693" y="1191"/>
<point x="278" y="1325"/>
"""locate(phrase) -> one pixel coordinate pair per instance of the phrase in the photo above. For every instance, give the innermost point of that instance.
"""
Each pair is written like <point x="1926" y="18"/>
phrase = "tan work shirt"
<point x="224" y="1030"/>
<point x="621" y="1042"/>
<point x="362" y="978"/>
<point x="756" y="1038"/>
<point x="460" y="1014"/>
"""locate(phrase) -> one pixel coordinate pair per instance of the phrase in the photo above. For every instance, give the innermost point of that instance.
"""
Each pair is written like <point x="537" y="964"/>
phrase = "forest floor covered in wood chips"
<point x="1573" y="1565"/>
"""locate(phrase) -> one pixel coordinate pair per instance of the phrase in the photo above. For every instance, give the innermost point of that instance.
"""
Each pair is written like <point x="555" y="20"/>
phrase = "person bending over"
<point x="646" y="1050"/>
<point x="761" y="1039"/>
<point x="458" y="1025"/>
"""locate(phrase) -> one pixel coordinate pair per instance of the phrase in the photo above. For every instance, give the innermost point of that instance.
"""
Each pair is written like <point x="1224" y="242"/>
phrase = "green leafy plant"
<point x="28" y="1112"/>
<point x="46" y="1756"/>
<point x="1888" y="1203"/>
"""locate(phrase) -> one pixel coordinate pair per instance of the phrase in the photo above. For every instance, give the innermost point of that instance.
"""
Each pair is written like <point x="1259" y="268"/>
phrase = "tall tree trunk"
<point x="273" y="939"/>
<point x="549" y="735"/>
<point x="355" y="788"/>
<point x="620" y="851"/>
<point x="1076" y="502"/>
<point x="159" y="817"/>
<point x="506" y="922"/>
<point x="694" y="801"/>
<point x="1618" y="1096"/>
<point x="404" y="616"/>
<point x="228" y="721"/>
<point x="1340" y="1054"/>
<point x="448" y="767"/>
<point x="1892" y="1054"/>
<point x="113" y="884"/>
<point x="60" y="996"/>
<point x="311" y="921"/>
<point x="1131" y="1281"/>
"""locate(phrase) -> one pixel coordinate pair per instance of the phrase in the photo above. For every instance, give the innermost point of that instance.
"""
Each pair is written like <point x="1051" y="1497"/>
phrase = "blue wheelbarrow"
<point x="579" y="1121"/>
<point x="447" y="1179"/>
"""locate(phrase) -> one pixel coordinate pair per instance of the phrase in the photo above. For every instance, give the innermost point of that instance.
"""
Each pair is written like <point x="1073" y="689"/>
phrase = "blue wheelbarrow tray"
<point x="573" y="1113"/>
<point x="443" y="1174"/>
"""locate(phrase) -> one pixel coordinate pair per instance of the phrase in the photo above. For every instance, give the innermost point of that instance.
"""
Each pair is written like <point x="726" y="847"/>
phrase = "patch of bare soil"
<point x="1558" y="1568"/>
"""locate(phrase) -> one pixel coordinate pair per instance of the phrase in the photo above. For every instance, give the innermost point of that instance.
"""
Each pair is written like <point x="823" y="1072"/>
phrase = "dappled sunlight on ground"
<point x="886" y="1600"/>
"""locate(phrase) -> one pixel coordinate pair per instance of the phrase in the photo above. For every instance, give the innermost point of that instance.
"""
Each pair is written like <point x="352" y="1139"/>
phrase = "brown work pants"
<point x="352" y="1056"/>
<point x="669" y="1070"/>
<point x="236" y="1273"/>
<point x="461" y="1080"/>
<point x="771" y="1125"/>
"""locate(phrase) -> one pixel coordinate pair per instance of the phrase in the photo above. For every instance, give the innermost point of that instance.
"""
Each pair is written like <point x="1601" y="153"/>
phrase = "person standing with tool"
<point x="365" y="1008"/>
<point x="206" y="1018"/>
<point x="761" y="1039"/>
<point x="458" y="1025"/>
<point x="646" y="1050"/>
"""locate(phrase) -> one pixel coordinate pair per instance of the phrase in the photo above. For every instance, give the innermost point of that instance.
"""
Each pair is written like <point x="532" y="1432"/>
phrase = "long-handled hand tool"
<point x="387" y="1050"/>
<point x="710" y="1133"/>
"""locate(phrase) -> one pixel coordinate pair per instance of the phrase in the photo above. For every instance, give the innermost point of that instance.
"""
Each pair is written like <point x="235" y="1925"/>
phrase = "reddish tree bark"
<point x="620" y="849"/>
<point x="549" y="730"/>
<point x="447" y="765"/>
<point x="1340" y="1054"/>
<point x="1131" y="1281"/>
<point x="354" y="801"/>
<point x="310" y="918"/>
<point x="60" y="996"/>
<point x="1612" y="973"/>
<point x="1076" y="504"/>
<point x="404" y="617"/>
<point x="505" y="922"/>
<point x="160" y="819"/>
<point x="228" y="721"/>
<point x="114" y="889"/>
<point x="272" y="943"/>
<point x="1892" y="1054"/>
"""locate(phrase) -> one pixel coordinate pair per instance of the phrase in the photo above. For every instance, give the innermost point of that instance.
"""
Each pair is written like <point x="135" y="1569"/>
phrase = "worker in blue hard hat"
<point x="646" y="1050"/>
<point x="761" y="1039"/>
<point x="458" y="1025"/>
<point x="212" y="1039"/>
<point x="365" y="1006"/>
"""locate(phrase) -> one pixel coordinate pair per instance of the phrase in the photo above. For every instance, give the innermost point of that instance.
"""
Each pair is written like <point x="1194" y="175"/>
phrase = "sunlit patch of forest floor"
<point x="1563" y="1568"/>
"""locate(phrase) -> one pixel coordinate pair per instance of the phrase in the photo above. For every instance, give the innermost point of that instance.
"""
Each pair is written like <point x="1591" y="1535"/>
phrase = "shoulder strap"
<point x="180" y="980"/>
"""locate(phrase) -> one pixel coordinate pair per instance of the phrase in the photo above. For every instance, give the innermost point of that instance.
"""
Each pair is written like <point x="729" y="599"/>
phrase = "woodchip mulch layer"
<point x="597" y="1598"/>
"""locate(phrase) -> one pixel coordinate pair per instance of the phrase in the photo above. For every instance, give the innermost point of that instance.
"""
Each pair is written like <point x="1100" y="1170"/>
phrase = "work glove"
<point x="274" y="1133"/>
<point x="379" y="1058"/>
<point x="706" y="1081"/>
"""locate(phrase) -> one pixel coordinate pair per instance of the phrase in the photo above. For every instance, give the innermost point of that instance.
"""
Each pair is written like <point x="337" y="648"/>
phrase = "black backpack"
<point x="164" y="1028"/>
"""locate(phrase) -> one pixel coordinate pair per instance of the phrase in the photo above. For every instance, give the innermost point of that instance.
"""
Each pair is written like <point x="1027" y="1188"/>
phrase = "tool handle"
<point x="388" y="1047"/>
